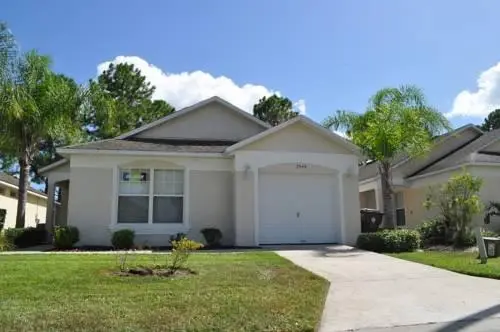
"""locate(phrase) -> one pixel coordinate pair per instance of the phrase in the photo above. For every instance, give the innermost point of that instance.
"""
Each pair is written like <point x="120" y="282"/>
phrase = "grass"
<point x="461" y="262"/>
<point x="257" y="291"/>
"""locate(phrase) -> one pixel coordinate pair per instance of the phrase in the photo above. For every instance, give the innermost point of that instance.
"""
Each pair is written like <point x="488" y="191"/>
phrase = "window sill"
<point x="151" y="229"/>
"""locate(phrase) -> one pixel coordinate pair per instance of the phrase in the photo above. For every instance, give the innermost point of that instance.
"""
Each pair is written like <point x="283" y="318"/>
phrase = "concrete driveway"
<point x="372" y="292"/>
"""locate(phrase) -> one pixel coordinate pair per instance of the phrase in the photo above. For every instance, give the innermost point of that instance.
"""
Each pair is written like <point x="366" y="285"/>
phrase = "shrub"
<point x="458" y="201"/>
<point x="25" y="237"/>
<point x="123" y="239"/>
<point x="181" y="250"/>
<point x="432" y="231"/>
<point x="5" y="243"/>
<point x="398" y="240"/>
<point x="176" y="237"/>
<point x="212" y="236"/>
<point x="65" y="236"/>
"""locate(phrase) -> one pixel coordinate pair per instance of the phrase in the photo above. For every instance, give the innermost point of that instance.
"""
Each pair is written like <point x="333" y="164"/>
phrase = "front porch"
<point x="58" y="184"/>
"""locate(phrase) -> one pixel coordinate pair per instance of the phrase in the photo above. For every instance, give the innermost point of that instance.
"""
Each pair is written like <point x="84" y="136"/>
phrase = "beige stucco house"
<point x="212" y="165"/>
<point x="464" y="148"/>
<point x="36" y="207"/>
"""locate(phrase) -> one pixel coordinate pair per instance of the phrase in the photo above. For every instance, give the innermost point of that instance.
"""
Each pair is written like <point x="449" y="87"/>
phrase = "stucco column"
<point x="379" y="200"/>
<point x="340" y="177"/>
<point x="50" y="215"/>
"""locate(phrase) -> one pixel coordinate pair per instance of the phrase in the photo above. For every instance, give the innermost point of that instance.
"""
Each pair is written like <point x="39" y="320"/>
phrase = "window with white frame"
<point x="151" y="196"/>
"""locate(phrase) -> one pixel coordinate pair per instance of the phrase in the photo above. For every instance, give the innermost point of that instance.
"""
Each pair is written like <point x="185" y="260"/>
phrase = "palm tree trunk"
<point x="387" y="194"/>
<point x="22" y="198"/>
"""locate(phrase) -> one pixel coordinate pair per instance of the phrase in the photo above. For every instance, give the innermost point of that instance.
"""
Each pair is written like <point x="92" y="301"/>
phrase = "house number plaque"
<point x="301" y="165"/>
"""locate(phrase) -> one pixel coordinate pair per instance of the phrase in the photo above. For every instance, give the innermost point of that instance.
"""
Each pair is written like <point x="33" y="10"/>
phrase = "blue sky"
<point x="324" y="55"/>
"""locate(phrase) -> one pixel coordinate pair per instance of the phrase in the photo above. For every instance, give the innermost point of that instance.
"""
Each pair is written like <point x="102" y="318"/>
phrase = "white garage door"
<point x="298" y="208"/>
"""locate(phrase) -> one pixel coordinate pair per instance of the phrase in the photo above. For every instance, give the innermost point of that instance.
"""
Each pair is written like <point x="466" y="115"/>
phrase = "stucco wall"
<point x="352" y="226"/>
<point x="415" y="212"/>
<point x="36" y="207"/>
<point x="297" y="138"/>
<point x="367" y="200"/>
<point x="211" y="204"/>
<point x="213" y="121"/>
<point x="90" y="201"/>
<point x="244" y="208"/>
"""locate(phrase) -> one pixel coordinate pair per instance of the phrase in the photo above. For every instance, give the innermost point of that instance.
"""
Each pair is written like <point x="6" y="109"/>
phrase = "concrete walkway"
<point x="372" y="292"/>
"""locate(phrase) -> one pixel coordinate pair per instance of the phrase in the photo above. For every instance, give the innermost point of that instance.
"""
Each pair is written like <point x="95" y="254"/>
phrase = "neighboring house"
<point x="36" y="207"/>
<point x="212" y="165"/>
<point x="467" y="147"/>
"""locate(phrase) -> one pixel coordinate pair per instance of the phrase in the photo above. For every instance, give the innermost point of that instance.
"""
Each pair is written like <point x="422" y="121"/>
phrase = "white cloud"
<point x="184" y="89"/>
<point x="481" y="102"/>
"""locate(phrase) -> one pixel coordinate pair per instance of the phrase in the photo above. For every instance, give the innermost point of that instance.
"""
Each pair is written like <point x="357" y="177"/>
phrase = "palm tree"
<point x="36" y="106"/>
<point x="398" y="121"/>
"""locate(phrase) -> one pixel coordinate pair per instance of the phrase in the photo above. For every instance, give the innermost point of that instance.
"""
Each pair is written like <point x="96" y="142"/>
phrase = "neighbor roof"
<point x="471" y="153"/>
<point x="9" y="179"/>
<point x="370" y="170"/>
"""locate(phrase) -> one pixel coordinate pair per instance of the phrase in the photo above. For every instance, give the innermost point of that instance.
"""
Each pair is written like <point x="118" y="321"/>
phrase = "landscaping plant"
<point x="212" y="236"/>
<point x="397" y="123"/>
<point x="181" y="250"/>
<point x="432" y="231"/>
<point x="457" y="201"/>
<point x="65" y="237"/>
<point x="5" y="243"/>
<point x="25" y="237"/>
<point x="389" y="240"/>
<point x="123" y="239"/>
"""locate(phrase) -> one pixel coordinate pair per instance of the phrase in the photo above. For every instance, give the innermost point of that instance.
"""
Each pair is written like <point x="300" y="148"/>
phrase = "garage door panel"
<point x="297" y="208"/>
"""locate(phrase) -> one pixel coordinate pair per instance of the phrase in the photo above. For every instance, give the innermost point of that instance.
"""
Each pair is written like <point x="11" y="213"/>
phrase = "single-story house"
<point x="467" y="148"/>
<point x="36" y="207"/>
<point x="212" y="165"/>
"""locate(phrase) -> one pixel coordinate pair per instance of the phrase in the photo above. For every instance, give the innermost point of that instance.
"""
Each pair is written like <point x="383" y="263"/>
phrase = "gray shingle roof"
<point x="471" y="153"/>
<point x="371" y="170"/>
<point x="156" y="145"/>
<point x="4" y="177"/>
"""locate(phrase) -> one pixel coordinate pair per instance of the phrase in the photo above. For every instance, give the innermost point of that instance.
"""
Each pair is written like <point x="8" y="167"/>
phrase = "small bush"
<point x="123" y="239"/>
<point x="65" y="236"/>
<point x="432" y="232"/>
<point x="181" y="250"/>
<point x="176" y="237"/>
<point x="212" y="236"/>
<point x="399" y="240"/>
<point x="488" y="233"/>
<point x="25" y="237"/>
<point x="5" y="243"/>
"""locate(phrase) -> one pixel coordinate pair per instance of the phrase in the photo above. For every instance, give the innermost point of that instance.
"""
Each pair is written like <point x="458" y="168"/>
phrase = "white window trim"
<point x="150" y="227"/>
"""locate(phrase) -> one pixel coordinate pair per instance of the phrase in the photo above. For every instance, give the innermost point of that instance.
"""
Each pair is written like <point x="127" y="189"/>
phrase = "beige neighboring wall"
<point x="367" y="199"/>
<point x="297" y="138"/>
<point x="244" y="209"/>
<point x="211" y="204"/>
<point x="90" y="201"/>
<point x="213" y="121"/>
<point x="415" y="212"/>
<point x="352" y="226"/>
<point x="36" y="208"/>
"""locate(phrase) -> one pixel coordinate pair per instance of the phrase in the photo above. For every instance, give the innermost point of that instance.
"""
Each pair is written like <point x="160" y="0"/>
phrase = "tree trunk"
<point x="22" y="198"/>
<point x="387" y="195"/>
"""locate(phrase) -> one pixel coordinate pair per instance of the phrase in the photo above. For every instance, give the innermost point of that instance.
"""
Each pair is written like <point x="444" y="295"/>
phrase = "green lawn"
<point x="256" y="291"/>
<point x="466" y="263"/>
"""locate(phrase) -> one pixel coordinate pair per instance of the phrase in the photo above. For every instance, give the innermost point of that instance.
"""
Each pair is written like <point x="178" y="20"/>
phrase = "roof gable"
<point x="213" y="118"/>
<point x="299" y="134"/>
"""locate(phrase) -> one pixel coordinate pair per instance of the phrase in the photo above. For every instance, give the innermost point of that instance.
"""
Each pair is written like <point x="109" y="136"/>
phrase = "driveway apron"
<point x="369" y="291"/>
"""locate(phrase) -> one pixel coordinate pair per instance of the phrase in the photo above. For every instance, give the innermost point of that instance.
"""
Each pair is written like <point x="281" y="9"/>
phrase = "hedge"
<point x="394" y="240"/>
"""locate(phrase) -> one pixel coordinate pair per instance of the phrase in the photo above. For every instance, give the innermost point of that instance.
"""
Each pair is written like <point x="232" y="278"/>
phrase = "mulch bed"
<point x="158" y="271"/>
<point x="154" y="249"/>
